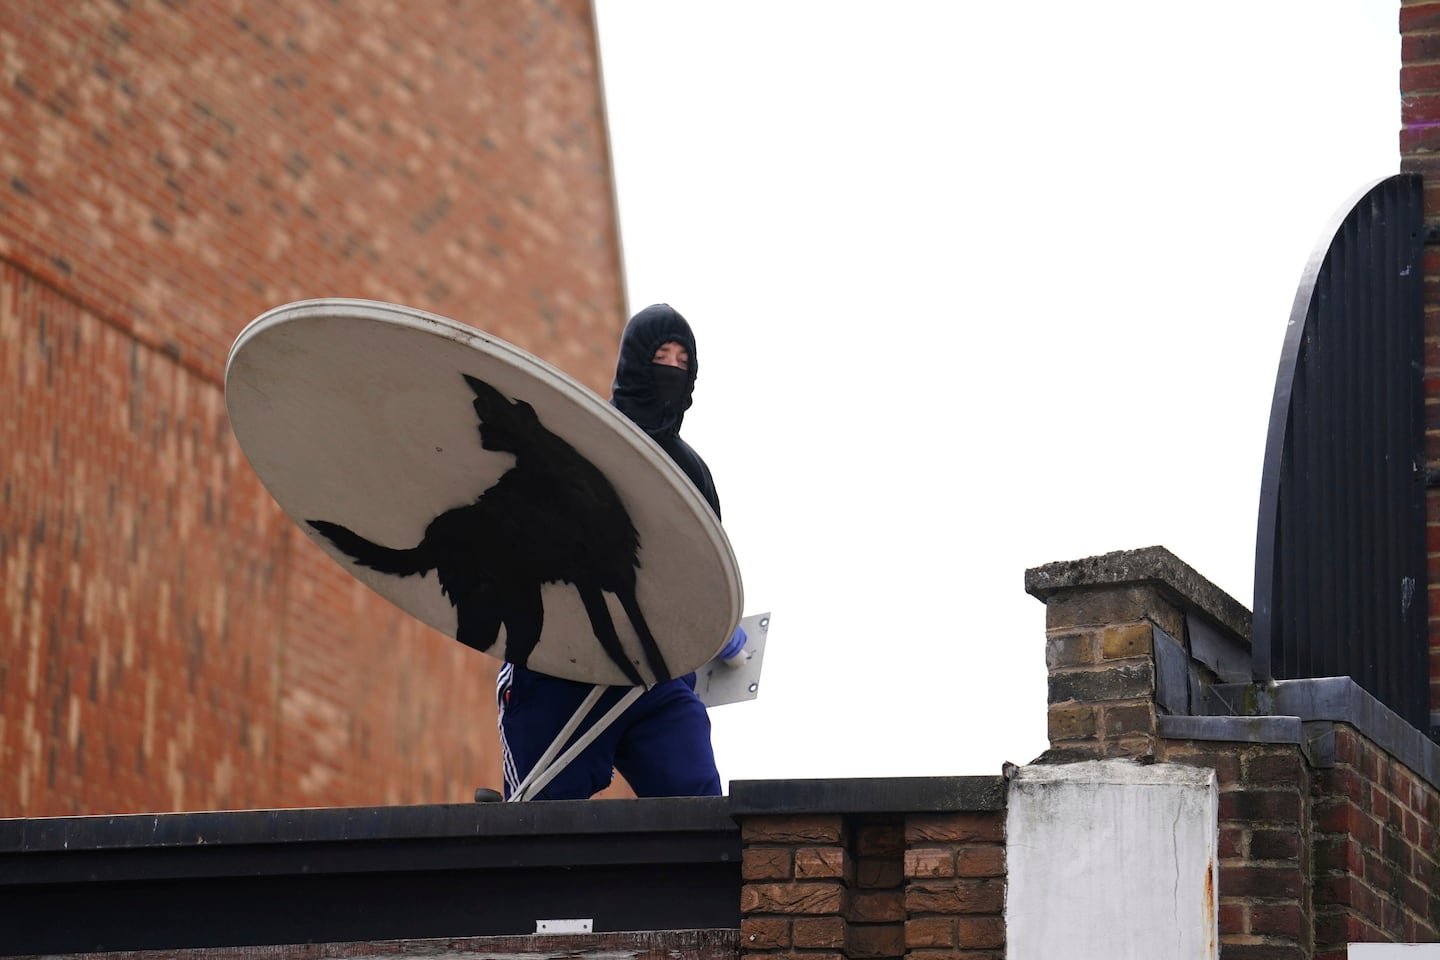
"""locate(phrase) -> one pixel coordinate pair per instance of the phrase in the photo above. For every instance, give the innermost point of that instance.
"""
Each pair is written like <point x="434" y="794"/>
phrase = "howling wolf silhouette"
<point x="551" y="518"/>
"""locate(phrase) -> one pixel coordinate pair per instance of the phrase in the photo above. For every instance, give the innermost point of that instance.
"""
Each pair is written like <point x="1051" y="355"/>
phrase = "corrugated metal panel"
<point x="1340" y="574"/>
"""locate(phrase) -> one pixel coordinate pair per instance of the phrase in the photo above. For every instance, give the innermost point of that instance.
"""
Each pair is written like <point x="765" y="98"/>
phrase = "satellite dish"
<point x="482" y="491"/>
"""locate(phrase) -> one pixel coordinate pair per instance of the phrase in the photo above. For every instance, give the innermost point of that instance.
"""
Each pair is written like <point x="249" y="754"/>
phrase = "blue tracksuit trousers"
<point x="660" y="745"/>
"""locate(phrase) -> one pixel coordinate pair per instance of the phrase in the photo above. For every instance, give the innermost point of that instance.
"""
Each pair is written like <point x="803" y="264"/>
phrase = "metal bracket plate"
<point x="720" y="682"/>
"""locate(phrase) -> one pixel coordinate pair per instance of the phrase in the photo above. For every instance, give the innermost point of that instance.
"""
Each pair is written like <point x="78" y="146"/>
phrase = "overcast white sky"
<point x="976" y="286"/>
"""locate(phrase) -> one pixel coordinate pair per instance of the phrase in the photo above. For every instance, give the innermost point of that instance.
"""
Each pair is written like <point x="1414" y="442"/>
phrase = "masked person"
<point x="661" y="744"/>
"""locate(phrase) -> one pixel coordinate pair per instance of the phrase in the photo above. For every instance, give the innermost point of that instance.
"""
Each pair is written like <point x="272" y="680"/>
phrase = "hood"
<point x="633" y="391"/>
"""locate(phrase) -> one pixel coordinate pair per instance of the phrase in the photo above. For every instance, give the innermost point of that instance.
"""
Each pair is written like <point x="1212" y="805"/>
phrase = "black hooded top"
<point x="633" y="391"/>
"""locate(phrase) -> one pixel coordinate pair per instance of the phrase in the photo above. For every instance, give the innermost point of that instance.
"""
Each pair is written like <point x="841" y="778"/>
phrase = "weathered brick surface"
<point x="1257" y="882"/>
<point x="980" y="861"/>
<point x="1316" y="858"/>
<point x="1233" y="917"/>
<point x="1419" y="139"/>
<point x="877" y="906"/>
<point x="1233" y="840"/>
<point x="1285" y="920"/>
<point x="1419" y="16"/>
<point x="813" y="932"/>
<point x="980" y="933"/>
<point x="930" y="862"/>
<point x="167" y="638"/>
<point x="1376" y="868"/>
<point x="969" y="895"/>
<point x="158" y="650"/>
<point x="144" y="596"/>
<point x="954" y="827"/>
<point x="1255" y="804"/>
<point x="879" y="872"/>
<point x="886" y="940"/>
<point x="1072" y="721"/>
<point x="1225" y="762"/>
<point x="764" y="933"/>
<point x="865" y="904"/>
<point x="1123" y="719"/>
<point x="1104" y="607"/>
<point x="955" y="885"/>
<point x="814" y="898"/>
<point x="1127" y="640"/>
<point x="1075" y="649"/>
<point x="822" y="863"/>
<point x="1123" y="680"/>
<point x="930" y="932"/>
<point x="766" y="863"/>
<point x="1263" y="857"/>
<point x="1278" y="844"/>
<point x="879" y="840"/>
<point x="182" y="168"/>
<point x="1275" y="767"/>
<point x="809" y="829"/>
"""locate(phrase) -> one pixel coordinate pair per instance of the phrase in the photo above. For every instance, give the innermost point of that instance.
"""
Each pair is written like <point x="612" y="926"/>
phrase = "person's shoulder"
<point x="682" y="444"/>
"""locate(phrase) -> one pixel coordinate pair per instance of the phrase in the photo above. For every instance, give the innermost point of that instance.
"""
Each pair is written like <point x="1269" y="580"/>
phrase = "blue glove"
<point x="734" y="645"/>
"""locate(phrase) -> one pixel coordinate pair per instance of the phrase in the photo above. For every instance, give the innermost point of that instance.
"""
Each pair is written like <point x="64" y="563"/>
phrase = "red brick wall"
<point x="167" y="638"/>
<point x="796" y="872"/>
<point x="1313" y="858"/>
<point x="1265" y="902"/>
<point x="1377" y="860"/>
<point x="1420" y="153"/>
<point x="955" y="886"/>
<point x="827" y="886"/>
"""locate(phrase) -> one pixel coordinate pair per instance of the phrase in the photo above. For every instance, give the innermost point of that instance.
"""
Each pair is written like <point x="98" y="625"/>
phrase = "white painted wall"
<point x="1112" y="860"/>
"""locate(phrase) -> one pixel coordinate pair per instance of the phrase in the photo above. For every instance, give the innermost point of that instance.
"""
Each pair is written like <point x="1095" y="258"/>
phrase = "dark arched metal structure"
<point x="1340" y="556"/>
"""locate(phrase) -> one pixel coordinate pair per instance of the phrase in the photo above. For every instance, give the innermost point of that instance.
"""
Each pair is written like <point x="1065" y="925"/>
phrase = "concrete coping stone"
<point x="1149" y="566"/>
<point x="1118" y="771"/>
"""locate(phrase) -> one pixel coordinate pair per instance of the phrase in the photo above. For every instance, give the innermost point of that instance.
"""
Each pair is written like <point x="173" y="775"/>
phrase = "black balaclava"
<point x="634" y="391"/>
<point x="640" y="394"/>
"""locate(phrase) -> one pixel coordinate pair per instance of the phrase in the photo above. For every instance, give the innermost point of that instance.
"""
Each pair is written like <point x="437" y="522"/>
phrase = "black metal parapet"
<point x="867" y="795"/>
<point x="168" y="881"/>
<point x="1340" y="559"/>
